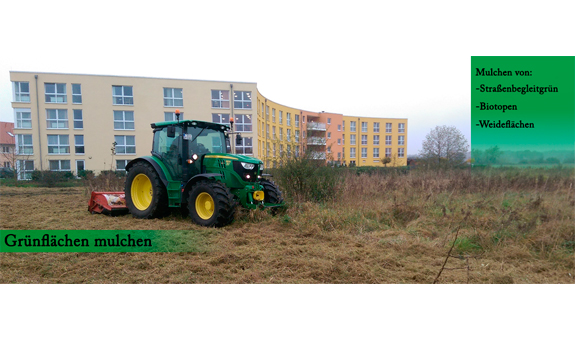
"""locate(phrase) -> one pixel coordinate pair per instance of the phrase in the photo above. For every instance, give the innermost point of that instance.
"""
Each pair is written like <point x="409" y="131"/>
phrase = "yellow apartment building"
<point x="279" y="131"/>
<point x="75" y="122"/>
<point x="367" y="140"/>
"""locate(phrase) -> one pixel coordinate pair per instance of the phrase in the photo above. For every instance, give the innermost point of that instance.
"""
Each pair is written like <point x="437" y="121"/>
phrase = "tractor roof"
<point x="194" y="123"/>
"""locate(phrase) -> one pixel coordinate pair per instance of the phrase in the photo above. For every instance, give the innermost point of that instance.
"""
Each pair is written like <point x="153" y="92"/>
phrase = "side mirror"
<point x="238" y="139"/>
<point x="171" y="131"/>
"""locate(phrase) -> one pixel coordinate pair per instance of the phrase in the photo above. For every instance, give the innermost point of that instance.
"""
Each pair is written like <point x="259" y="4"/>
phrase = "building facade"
<point x="7" y="145"/>
<point x="75" y="122"/>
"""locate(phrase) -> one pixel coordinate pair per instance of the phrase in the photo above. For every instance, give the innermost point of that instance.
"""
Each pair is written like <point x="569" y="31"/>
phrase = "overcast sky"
<point x="360" y="58"/>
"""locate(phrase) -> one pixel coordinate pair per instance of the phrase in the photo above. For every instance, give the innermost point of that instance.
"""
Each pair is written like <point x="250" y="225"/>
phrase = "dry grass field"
<point x="499" y="226"/>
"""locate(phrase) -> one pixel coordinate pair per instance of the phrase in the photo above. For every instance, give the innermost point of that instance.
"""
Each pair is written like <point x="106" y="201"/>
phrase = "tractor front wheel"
<point x="146" y="196"/>
<point x="211" y="204"/>
<point x="272" y="194"/>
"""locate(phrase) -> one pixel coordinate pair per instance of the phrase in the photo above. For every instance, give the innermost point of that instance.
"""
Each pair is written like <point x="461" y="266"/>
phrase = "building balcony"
<point x="316" y="141"/>
<point x="318" y="155"/>
<point x="315" y="126"/>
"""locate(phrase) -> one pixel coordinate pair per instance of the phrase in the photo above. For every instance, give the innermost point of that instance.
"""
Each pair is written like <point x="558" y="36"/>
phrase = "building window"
<point x="242" y="99"/>
<point x="339" y="141"/>
<point x="296" y="136"/>
<point x="173" y="97"/>
<point x="21" y="91"/>
<point x="121" y="164"/>
<point x="281" y="150"/>
<point x="288" y="150"/>
<point x="220" y="99"/>
<point x="23" y="118"/>
<point x="351" y="152"/>
<point x="351" y="139"/>
<point x="245" y="146"/>
<point x="387" y="140"/>
<point x="401" y="127"/>
<point x="352" y="126"/>
<point x="338" y="156"/>
<point x="343" y="126"/>
<point x="281" y="120"/>
<point x="388" y="152"/>
<point x="267" y="149"/>
<point x="329" y="120"/>
<point x="243" y="123"/>
<point x="78" y="119"/>
<point x="400" y="140"/>
<point x="76" y="94"/>
<point x="297" y="150"/>
<point x="122" y="95"/>
<point x="221" y="118"/>
<point x="55" y="92"/>
<point x="400" y="152"/>
<point x="273" y="132"/>
<point x="388" y="127"/>
<point x="267" y="131"/>
<point x="375" y="140"/>
<point x="342" y="139"/>
<point x="171" y="116"/>
<point x="363" y="139"/>
<point x="123" y="120"/>
<point x="60" y="165"/>
<point x="363" y="152"/>
<point x="273" y="115"/>
<point x="125" y="145"/>
<point x="296" y="120"/>
<point x="57" y="118"/>
<point x="363" y="126"/>
<point x="281" y="134"/>
<point x="375" y="152"/>
<point x="79" y="144"/>
<point x="329" y="135"/>
<point x="274" y="149"/>
<point x="303" y="119"/>
<point x="80" y="166"/>
<point x="339" y="128"/>
<point x="24" y="145"/>
<point x="58" y="144"/>
<point x="375" y="127"/>
<point x="25" y="169"/>
<point x="267" y="112"/>
<point x="288" y="119"/>
<point x="288" y="135"/>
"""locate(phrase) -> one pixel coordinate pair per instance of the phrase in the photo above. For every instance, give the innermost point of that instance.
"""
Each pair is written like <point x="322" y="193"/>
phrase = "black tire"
<point x="210" y="204"/>
<point x="272" y="194"/>
<point x="139" y="203"/>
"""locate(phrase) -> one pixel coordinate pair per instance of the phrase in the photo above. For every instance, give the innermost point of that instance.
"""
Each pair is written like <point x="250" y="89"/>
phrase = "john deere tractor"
<point x="190" y="169"/>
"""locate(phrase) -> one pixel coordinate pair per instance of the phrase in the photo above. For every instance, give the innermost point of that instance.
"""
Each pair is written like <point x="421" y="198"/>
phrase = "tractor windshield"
<point x="203" y="141"/>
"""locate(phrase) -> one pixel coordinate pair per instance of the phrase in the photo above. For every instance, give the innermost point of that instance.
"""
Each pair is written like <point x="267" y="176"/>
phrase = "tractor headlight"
<point x="248" y="166"/>
<point x="261" y="166"/>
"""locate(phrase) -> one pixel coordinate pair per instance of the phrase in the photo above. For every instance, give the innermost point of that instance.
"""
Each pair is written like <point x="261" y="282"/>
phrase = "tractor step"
<point x="108" y="203"/>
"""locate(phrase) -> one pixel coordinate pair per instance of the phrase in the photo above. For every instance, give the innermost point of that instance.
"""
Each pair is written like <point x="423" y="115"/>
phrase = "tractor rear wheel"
<point x="211" y="204"/>
<point x="146" y="196"/>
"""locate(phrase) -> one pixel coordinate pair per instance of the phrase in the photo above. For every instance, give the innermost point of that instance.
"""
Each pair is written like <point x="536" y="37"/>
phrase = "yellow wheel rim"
<point x="205" y="206"/>
<point x="142" y="192"/>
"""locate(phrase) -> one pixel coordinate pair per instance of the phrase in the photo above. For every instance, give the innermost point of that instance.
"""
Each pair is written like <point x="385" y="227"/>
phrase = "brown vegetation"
<point x="513" y="226"/>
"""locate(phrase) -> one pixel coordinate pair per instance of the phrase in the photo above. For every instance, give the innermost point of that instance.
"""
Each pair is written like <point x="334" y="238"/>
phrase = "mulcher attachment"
<point x="108" y="203"/>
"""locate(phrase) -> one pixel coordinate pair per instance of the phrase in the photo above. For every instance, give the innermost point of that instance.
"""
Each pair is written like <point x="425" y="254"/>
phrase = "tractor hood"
<point x="241" y="158"/>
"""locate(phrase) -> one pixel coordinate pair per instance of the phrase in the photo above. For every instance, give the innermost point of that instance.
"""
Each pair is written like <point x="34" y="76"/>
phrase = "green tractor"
<point x="190" y="169"/>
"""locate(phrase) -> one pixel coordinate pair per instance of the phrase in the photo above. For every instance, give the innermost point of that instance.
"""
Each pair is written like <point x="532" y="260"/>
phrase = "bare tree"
<point x="444" y="145"/>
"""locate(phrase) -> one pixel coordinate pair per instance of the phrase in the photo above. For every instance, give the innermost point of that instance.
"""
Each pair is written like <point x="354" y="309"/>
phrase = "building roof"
<point x="5" y="138"/>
